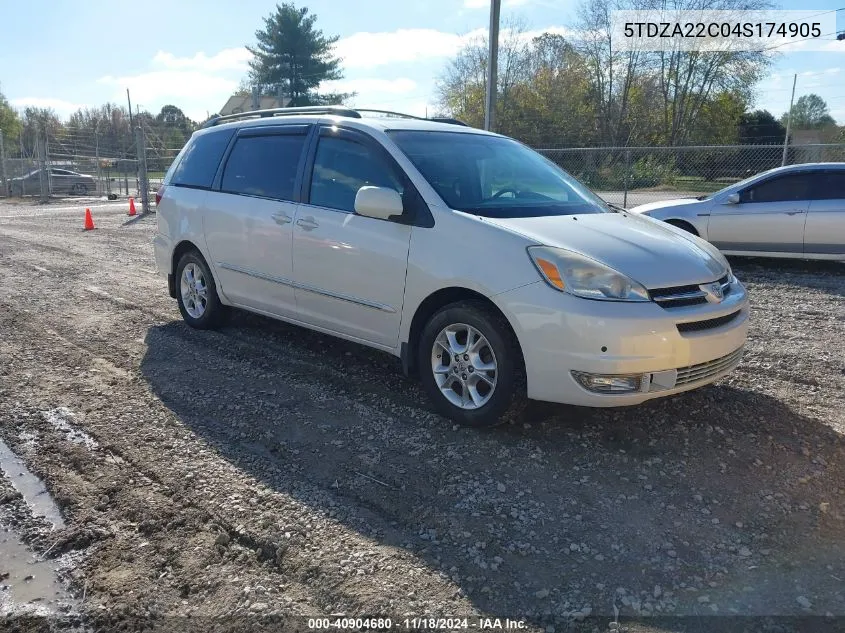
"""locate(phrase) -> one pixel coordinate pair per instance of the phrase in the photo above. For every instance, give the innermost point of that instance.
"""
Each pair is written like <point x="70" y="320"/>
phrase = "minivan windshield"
<point x="494" y="176"/>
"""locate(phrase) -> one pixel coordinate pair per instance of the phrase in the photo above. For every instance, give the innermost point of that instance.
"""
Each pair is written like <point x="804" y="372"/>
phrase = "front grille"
<point x="703" y="371"/>
<point x="689" y="295"/>
<point x="707" y="324"/>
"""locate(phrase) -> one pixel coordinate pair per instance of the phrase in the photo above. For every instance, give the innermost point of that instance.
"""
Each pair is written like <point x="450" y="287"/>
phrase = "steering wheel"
<point x="502" y="192"/>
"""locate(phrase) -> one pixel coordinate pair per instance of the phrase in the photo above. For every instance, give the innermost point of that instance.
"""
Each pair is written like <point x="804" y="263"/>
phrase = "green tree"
<point x="543" y="88"/>
<point x="295" y="55"/>
<point x="760" y="128"/>
<point x="10" y="122"/>
<point x="810" y="112"/>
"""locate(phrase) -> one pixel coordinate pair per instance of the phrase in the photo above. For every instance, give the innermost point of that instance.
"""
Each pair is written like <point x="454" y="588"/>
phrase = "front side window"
<point x="264" y="166"/>
<point x="788" y="188"/>
<point x="341" y="168"/>
<point x="493" y="176"/>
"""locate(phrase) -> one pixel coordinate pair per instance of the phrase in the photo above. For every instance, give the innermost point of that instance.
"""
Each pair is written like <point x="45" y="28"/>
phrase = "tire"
<point x="686" y="226"/>
<point x="79" y="189"/>
<point x="200" y="307"/>
<point x="451" y="391"/>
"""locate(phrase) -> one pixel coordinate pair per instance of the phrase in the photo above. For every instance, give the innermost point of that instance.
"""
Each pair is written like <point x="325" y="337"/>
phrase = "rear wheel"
<point x="197" y="295"/>
<point x="471" y="366"/>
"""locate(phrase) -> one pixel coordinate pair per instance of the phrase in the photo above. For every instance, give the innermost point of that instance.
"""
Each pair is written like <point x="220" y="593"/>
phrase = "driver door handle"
<point x="309" y="224"/>
<point x="281" y="218"/>
<point x="793" y="212"/>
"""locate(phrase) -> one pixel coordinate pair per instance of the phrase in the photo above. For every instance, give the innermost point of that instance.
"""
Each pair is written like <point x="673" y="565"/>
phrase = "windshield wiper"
<point x="617" y="208"/>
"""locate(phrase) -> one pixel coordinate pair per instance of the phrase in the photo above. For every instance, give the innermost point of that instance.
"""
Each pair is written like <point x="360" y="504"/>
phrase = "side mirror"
<point x="378" y="202"/>
<point x="732" y="199"/>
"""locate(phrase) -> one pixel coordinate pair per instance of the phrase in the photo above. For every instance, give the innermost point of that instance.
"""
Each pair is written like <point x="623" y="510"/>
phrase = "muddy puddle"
<point x="29" y="585"/>
<point x="31" y="487"/>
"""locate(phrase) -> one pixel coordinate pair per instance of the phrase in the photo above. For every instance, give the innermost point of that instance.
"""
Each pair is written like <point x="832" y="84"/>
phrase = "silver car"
<point x="61" y="181"/>
<point x="796" y="211"/>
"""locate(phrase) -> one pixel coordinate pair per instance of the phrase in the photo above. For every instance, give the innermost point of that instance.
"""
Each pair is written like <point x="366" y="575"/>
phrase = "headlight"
<point x="584" y="277"/>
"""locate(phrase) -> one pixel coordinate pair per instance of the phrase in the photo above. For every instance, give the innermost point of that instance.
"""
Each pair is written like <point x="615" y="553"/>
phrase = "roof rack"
<point x="354" y="113"/>
<point x="271" y="112"/>
<point x="445" y="119"/>
<point x="389" y="113"/>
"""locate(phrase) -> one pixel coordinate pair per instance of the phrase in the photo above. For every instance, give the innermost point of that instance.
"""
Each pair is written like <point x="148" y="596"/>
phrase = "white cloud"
<point x="485" y="4"/>
<point x="227" y="59"/>
<point x="63" y="108"/>
<point x="400" y="86"/>
<point x="369" y="50"/>
<point x="166" y="84"/>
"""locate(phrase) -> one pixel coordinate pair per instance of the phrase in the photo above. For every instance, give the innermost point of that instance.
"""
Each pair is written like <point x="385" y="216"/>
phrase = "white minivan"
<point x="489" y="271"/>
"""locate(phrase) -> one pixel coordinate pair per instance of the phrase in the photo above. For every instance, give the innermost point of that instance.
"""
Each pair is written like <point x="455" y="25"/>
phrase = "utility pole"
<point x="492" y="62"/>
<point x="788" y="121"/>
<point x="131" y="124"/>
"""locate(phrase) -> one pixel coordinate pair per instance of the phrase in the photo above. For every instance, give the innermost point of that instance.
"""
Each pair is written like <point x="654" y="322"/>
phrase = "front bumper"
<point x="560" y="333"/>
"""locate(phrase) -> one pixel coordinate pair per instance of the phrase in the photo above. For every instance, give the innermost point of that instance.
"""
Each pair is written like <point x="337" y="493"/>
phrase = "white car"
<point x="796" y="211"/>
<point x="490" y="272"/>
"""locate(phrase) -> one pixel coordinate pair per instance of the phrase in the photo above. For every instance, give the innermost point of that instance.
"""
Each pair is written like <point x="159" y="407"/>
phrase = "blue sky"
<point x="65" y="54"/>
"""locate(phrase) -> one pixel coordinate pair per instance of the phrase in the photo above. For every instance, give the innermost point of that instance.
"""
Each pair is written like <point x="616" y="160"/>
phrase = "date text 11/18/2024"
<point x="415" y="624"/>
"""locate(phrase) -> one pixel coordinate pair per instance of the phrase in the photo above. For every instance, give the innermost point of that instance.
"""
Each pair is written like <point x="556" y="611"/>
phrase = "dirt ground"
<point x="263" y="470"/>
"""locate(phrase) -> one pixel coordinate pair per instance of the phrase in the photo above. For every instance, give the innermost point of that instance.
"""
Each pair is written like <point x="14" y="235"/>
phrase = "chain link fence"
<point x="630" y="176"/>
<point x="627" y="176"/>
<point x="61" y="166"/>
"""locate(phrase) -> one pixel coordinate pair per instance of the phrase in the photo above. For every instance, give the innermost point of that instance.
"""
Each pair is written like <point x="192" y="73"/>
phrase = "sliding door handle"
<point x="309" y="224"/>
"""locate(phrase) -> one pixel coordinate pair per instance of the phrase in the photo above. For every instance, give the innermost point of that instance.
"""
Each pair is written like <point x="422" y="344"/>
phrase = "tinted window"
<point x="264" y="166"/>
<point x="494" y="176"/>
<point x="200" y="160"/>
<point x="832" y="187"/>
<point x="781" y="189"/>
<point x="341" y="167"/>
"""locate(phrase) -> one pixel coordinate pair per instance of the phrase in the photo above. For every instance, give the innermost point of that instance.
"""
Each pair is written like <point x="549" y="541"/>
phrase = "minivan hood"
<point x="654" y="254"/>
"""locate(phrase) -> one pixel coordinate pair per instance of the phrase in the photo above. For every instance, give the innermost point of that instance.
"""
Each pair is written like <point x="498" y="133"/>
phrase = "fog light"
<point x="613" y="383"/>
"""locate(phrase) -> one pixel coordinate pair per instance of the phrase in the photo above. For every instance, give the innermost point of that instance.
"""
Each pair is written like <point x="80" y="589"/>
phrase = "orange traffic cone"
<point x="89" y="221"/>
<point x="131" y="206"/>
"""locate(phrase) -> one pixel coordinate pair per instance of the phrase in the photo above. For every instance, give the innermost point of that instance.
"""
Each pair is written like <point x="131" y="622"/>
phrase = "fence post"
<point x="43" y="178"/>
<point x="627" y="175"/>
<point x="97" y="158"/>
<point x="143" y="183"/>
<point x="2" y="167"/>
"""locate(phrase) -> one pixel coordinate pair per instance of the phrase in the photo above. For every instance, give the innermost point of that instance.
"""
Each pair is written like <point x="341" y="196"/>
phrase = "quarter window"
<point x="264" y="166"/>
<point x="199" y="163"/>
<point x="341" y="168"/>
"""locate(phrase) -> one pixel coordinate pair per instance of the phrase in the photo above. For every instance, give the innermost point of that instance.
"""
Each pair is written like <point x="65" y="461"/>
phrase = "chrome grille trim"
<point x="703" y="371"/>
<point x="685" y="295"/>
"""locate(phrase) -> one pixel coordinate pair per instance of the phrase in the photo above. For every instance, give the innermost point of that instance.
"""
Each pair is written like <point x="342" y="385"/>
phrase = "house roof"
<point x="243" y="103"/>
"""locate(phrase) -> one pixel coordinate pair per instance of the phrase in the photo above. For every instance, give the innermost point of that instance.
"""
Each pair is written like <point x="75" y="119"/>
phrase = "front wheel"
<point x="197" y="295"/>
<point x="471" y="366"/>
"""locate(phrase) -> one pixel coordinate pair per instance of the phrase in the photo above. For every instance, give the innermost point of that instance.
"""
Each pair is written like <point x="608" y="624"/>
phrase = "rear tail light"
<point x="159" y="194"/>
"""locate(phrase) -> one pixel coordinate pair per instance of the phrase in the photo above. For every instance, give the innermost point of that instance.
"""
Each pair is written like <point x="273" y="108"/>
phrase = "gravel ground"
<point x="265" y="470"/>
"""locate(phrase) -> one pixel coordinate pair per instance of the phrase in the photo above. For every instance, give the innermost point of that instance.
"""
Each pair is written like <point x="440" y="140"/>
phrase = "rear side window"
<point x="202" y="156"/>
<point x="264" y="166"/>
